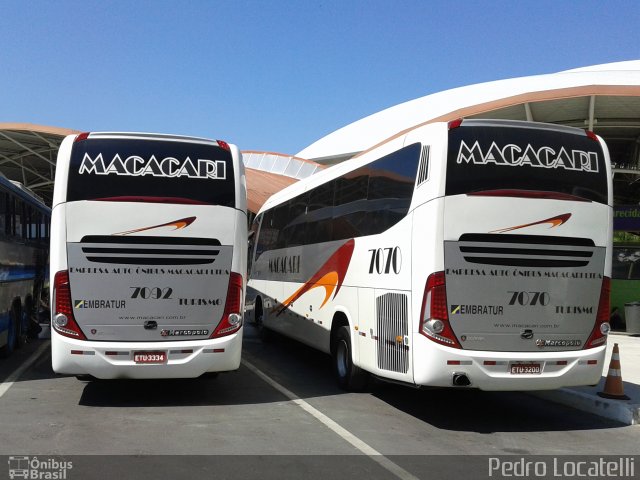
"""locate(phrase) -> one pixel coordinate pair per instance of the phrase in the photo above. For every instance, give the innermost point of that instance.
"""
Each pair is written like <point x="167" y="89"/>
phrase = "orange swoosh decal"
<point x="330" y="276"/>
<point x="178" y="224"/>
<point x="328" y="282"/>
<point x="554" y="221"/>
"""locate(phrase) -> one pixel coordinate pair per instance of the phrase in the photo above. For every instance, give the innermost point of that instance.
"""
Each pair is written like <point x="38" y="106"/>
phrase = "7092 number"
<point x="155" y="293"/>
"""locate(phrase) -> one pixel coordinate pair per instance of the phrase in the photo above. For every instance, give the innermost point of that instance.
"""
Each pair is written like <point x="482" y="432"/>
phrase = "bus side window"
<point x="391" y="184"/>
<point x="12" y="216"/>
<point x="278" y="222"/>
<point x="295" y="229"/>
<point x="253" y="235"/>
<point x="18" y="216"/>
<point x="349" y="213"/>
<point x="266" y="241"/>
<point x="4" y="214"/>
<point x="320" y="214"/>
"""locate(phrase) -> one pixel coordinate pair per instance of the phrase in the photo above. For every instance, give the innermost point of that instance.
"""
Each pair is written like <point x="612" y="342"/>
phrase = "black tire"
<point x="12" y="338"/>
<point x="33" y="326"/>
<point x="21" y="338"/>
<point x="266" y="335"/>
<point x="86" y="378"/>
<point x="257" y="312"/>
<point x="349" y="377"/>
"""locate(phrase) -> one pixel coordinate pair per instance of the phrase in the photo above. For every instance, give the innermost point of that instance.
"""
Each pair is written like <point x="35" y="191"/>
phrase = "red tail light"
<point x="63" y="320"/>
<point x="232" y="316"/>
<point x="434" y="317"/>
<point x="81" y="137"/>
<point x="224" y="145"/>
<point x="601" y="329"/>
<point x="454" y="123"/>
<point x="591" y="135"/>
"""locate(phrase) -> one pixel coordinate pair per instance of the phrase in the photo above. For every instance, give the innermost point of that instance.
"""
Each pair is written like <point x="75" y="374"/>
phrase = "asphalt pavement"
<point x="587" y="399"/>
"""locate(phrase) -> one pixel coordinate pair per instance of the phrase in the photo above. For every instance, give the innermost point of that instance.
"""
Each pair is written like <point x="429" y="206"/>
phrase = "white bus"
<point x="472" y="254"/>
<point x="148" y="256"/>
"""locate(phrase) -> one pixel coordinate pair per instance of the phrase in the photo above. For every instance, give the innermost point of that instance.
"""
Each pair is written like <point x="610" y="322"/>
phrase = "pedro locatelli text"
<point x="622" y="467"/>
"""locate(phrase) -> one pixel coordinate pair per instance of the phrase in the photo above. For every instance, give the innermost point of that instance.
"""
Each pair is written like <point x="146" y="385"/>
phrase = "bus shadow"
<point x="232" y="388"/>
<point x="309" y="374"/>
<point x="477" y="411"/>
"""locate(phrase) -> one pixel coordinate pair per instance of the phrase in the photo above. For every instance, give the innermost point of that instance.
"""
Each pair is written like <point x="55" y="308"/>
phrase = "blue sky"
<point x="276" y="76"/>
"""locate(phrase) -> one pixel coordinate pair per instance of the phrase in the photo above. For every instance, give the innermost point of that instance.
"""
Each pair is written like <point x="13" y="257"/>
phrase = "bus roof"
<point x="24" y="193"/>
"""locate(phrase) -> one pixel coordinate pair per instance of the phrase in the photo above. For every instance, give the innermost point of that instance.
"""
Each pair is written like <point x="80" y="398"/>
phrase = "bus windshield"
<point x="485" y="159"/>
<point x="151" y="171"/>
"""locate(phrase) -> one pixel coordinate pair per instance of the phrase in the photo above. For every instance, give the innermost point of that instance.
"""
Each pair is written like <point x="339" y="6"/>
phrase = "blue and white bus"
<point x="24" y="255"/>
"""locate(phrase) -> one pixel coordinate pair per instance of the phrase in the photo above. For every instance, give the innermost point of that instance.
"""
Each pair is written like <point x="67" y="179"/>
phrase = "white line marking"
<point x="365" y="448"/>
<point x="11" y="379"/>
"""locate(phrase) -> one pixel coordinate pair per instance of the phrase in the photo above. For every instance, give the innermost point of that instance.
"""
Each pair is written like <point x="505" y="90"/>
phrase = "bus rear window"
<point x="151" y="170"/>
<point x="511" y="159"/>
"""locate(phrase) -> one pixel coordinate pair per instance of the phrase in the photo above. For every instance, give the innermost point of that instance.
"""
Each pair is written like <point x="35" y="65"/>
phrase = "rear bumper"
<point x="185" y="359"/>
<point x="435" y="365"/>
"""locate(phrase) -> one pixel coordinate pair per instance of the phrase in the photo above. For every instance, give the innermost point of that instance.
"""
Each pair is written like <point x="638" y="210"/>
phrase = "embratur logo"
<point x="99" y="304"/>
<point x="477" y="310"/>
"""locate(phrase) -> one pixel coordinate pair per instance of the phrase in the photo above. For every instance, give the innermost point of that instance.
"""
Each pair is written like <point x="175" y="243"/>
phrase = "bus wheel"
<point x="12" y="336"/>
<point x="257" y="312"/>
<point x="266" y="335"/>
<point x="21" y="337"/>
<point x="349" y="376"/>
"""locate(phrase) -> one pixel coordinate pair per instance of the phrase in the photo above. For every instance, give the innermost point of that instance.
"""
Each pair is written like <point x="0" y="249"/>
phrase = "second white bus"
<point x="148" y="256"/>
<point x="470" y="254"/>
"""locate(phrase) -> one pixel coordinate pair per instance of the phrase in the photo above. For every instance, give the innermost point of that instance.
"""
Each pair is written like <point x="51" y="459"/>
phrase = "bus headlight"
<point x="235" y="319"/>
<point x="60" y="320"/>
<point x="605" y="328"/>
<point x="434" y="326"/>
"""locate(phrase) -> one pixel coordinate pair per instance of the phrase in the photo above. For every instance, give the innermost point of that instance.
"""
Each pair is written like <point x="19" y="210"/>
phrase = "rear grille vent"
<point x="392" y="322"/>
<point x="423" y="169"/>
<point x="150" y="250"/>
<point x="526" y="250"/>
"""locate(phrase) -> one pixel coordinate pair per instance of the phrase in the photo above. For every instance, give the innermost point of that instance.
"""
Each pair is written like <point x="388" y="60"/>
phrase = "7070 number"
<point x="385" y="260"/>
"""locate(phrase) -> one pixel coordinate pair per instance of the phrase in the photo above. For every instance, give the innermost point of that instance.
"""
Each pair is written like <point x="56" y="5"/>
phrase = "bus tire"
<point x="21" y="337"/>
<point x="257" y="312"/>
<point x="349" y="376"/>
<point x="12" y="336"/>
<point x="266" y="335"/>
<point x="33" y="326"/>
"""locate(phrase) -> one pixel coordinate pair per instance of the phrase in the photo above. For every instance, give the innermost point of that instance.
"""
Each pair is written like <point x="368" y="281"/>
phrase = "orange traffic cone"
<point x="613" y="387"/>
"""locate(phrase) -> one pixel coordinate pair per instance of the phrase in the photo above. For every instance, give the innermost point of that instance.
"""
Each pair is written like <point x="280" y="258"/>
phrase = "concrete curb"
<point x="624" y="411"/>
<point x="586" y="398"/>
